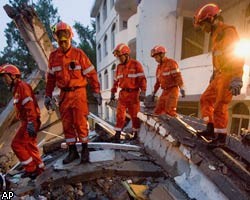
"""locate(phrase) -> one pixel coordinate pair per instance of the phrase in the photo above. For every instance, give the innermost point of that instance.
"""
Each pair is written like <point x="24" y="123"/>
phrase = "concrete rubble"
<point x="194" y="167"/>
<point x="168" y="160"/>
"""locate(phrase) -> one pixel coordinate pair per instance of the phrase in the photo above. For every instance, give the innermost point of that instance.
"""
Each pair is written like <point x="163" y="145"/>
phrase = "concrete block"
<point x="151" y="122"/>
<point x="178" y="162"/>
<point x="156" y="143"/>
<point x="160" y="193"/>
<point x="163" y="148"/>
<point x="197" y="186"/>
<point x="163" y="132"/>
<point x="136" y="168"/>
<point x="170" y="138"/>
<point x="103" y="155"/>
<point x="186" y="152"/>
<point x="148" y="140"/>
<point x="143" y="133"/>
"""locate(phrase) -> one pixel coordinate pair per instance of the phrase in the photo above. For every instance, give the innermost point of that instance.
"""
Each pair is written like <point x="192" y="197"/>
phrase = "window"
<point x="124" y="24"/>
<point x="107" y="113"/>
<point x="104" y="10"/>
<point x="240" y="118"/>
<point x="193" y="41"/>
<point x="113" y="37"/>
<point x="100" y="80"/>
<point x="112" y="3"/>
<point x="100" y="112"/>
<point x="99" y="53"/>
<point x="113" y="73"/>
<point x="113" y="120"/>
<point x="106" y="79"/>
<point x="98" y="22"/>
<point x="105" y="45"/>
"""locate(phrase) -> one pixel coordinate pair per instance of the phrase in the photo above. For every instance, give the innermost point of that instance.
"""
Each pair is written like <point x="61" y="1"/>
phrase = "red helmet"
<point x="157" y="50"/>
<point x="60" y="26"/>
<point x="206" y="12"/>
<point x="9" y="69"/>
<point x="121" y="49"/>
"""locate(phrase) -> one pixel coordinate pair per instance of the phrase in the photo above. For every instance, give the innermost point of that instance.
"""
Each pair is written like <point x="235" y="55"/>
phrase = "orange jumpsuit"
<point x="71" y="71"/>
<point x="27" y="110"/>
<point x="169" y="78"/>
<point x="131" y="79"/>
<point x="214" y="101"/>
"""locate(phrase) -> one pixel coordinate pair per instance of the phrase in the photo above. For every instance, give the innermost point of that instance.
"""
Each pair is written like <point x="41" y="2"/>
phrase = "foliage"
<point x="88" y="45"/>
<point x="16" y="51"/>
<point x="87" y="40"/>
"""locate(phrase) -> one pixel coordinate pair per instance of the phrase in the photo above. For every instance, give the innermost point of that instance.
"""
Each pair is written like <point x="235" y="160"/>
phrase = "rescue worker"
<point x="24" y="143"/>
<point x="169" y="78"/>
<point x="130" y="78"/>
<point x="226" y="80"/>
<point x="70" y="70"/>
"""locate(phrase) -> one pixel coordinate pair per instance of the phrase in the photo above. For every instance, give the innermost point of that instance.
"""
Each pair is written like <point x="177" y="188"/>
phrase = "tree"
<point x="16" y="51"/>
<point x="87" y="40"/>
<point x="88" y="45"/>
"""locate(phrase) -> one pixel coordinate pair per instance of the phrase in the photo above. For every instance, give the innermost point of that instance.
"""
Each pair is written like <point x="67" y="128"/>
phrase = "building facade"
<point x="143" y="24"/>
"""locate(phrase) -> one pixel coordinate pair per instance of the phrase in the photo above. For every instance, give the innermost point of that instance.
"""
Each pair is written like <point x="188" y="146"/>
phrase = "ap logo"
<point x="7" y="195"/>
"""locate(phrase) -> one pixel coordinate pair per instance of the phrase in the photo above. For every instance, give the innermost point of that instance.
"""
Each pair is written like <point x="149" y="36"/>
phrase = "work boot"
<point x="220" y="141"/>
<point x="135" y="135"/>
<point x="84" y="153"/>
<point x="73" y="154"/>
<point x="116" y="138"/>
<point x="31" y="175"/>
<point x="209" y="132"/>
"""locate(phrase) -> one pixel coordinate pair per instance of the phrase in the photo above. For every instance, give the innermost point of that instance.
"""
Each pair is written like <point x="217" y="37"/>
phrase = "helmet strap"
<point x="12" y="82"/>
<point x="162" y="55"/>
<point x="126" y="59"/>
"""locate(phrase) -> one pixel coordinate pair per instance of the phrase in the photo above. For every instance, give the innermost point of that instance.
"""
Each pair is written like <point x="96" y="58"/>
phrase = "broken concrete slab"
<point x="96" y="157"/>
<point x="201" y="188"/>
<point x="136" y="168"/>
<point x="171" y="188"/>
<point x="233" y="164"/>
<point x="106" y="145"/>
<point x="100" y="156"/>
<point x="161" y="193"/>
<point x="236" y="146"/>
<point x="232" y="190"/>
<point x="133" y="155"/>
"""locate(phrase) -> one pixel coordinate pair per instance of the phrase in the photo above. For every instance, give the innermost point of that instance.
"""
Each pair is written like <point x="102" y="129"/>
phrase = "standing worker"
<point x="132" y="81"/>
<point x="169" y="78"/>
<point x="226" y="80"/>
<point x="70" y="70"/>
<point x="24" y="143"/>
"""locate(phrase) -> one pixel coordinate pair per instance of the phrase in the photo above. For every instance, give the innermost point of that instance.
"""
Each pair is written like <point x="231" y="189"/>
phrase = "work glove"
<point x="47" y="102"/>
<point x="142" y="96"/>
<point x="112" y="97"/>
<point x="235" y="86"/>
<point x="31" y="129"/>
<point x="183" y="93"/>
<point x="98" y="98"/>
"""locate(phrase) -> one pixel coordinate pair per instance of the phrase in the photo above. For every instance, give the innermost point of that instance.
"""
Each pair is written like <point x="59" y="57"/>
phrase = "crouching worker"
<point x="24" y="143"/>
